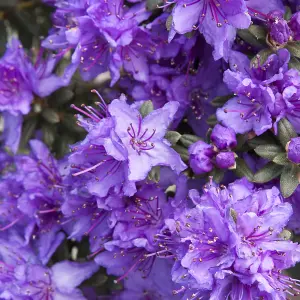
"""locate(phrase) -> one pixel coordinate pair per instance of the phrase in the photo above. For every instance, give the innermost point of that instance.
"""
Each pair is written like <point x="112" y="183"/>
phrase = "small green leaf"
<point x="217" y="175"/>
<point x="173" y="137"/>
<point x="208" y="134"/>
<point x="188" y="139"/>
<point x="289" y="180"/>
<point x="27" y="132"/>
<point x="212" y="120"/>
<point x="285" y="131"/>
<point x="287" y="13"/>
<point x="50" y="115"/>
<point x="261" y="140"/>
<point x="259" y="32"/>
<point x="268" y="151"/>
<point x="169" y="22"/>
<point x="281" y="159"/>
<point x="220" y="100"/>
<point x="146" y="108"/>
<point x="294" y="49"/>
<point x="242" y="169"/>
<point x="62" y="96"/>
<point x="184" y="154"/>
<point x="152" y="4"/>
<point x="154" y="174"/>
<point x="294" y="63"/>
<point x="248" y="37"/>
<point x="261" y="57"/>
<point x="267" y="173"/>
<point x="233" y="214"/>
<point x="241" y="141"/>
<point x="48" y="134"/>
<point x="69" y="122"/>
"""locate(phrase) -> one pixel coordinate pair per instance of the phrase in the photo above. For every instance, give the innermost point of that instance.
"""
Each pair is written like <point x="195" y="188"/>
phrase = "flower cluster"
<point x="181" y="181"/>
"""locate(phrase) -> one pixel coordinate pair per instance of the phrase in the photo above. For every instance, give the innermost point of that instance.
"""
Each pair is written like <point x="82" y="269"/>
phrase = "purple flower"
<point x="59" y="281"/>
<point x="23" y="275"/>
<point x="21" y="81"/>
<point x="225" y="160"/>
<point x="105" y="36"/>
<point x="262" y="93"/>
<point x="157" y="285"/>
<point x="294" y="25"/>
<point x="234" y="239"/>
<point x="294" y="223"/>
<point x="293" y="149"/>
<point x="125" y="145"/>
<point x="216" y="21"/>
<point x="143" y="138"/>
<point x="33" y="195"/>
<point x="223" y="138"/>
<point x="142" y="218"/>
<point x="280" y="32"/>
<point x="201" y="155"/>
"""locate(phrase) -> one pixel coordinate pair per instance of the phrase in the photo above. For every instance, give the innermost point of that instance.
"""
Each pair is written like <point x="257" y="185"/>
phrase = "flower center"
<point x="140" y="140"/>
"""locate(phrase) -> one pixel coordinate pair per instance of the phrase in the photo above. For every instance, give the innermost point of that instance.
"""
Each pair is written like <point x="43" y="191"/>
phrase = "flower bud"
<point x="200" y="157"/>
<point x="294" y="150"/>
<point x="223" y="137"/>
<point x="225" y="160"/>
<point x="295" y="26"/>
<point x="279" y="30"/>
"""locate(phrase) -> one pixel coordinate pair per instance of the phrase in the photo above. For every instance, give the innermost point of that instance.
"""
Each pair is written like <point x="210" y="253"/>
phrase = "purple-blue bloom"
<point x="263" y="93"/>
<point x="216" y="21"/>
<point x="233" y="237"/>
<point x="21" y="82"/>
<point x="293" y="149"/>
<point x="125" y="145"/>
<point x="203" y="156"/>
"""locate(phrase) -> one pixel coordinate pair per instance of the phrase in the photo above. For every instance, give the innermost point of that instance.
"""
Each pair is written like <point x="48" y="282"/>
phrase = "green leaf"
<point x="287" y="13"/>
<point x="217" y="175"/>
<point x="48" y="134"/>
<point x="285" y="131"/>
<point x="146" y="108"/>
<point x="62" y="96"/>
<point x="294" y="49"/>
<point x="289" y="180"/>
<point x="241" y="140"/>
<point x="268" y="151"/>
<point x="212" y="120"/>
<point x="69" y="122"/>
<point x="173" y="137"/>
<point x="220" y="100"/>
<point x="294" y="63"/>
<point x="261" y="57"/>
<point x="152" y="4"/>
<point x="27" y="132"/>
<point x="50" y="115"/>
<point x="188" y="139"/>
<point x="154" y="174"/>
<point x="242" y="169"/>
<point x="281" y="159"/>
<point x="261" y="140"/>
<point x="259" y="32"/>
<point x="267" y="173"/>
<point x="184" y="154"/>
<point x="233" y="214"/>
<point x="169" y="22"/>
<point x="248" y="37"/>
